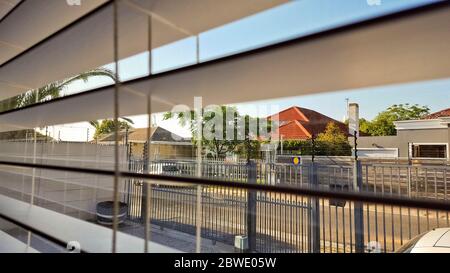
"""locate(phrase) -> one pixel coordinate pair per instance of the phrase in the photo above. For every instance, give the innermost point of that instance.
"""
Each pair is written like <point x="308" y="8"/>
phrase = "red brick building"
<point x="298" y="123"/>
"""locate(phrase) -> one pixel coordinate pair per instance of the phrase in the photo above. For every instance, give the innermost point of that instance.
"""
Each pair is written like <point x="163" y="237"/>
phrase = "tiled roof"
<point x="302" y="123"/>
<point x="290" y="114"/>
<point x="440" y="114"/>
<point x="293" y="130"/>
<point x="158" y="134"/>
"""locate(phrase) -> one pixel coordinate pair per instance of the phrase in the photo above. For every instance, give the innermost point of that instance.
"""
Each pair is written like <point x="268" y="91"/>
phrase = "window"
<point x="429" y="150"/>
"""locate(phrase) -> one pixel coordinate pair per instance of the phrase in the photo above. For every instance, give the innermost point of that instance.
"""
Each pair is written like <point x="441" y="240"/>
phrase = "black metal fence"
<point x="286" y="223"/>
<point x="224" y="213"/>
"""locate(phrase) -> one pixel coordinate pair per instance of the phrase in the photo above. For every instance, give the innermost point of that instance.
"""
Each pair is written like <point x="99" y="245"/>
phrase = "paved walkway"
<point x="175" y="239"/>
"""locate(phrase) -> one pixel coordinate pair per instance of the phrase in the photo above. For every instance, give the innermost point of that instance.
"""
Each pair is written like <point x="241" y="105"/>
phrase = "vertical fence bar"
<point x="199" y="111"/>
<point x="358" y="209"/>
<point x="315" y="213"/>
<point x="251" y="207"/>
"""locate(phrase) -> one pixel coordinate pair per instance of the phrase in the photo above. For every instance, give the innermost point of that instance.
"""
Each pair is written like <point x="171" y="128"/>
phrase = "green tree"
<point x="332" y="141"/>
<point x="383" y="123"/>
<point x="250" y="146"/>
<point x="47" y="92"/>
<point x="24" y="135"/>
<point x="300" y="147"/>
<point x="107" y="126"/>
<point x="217" y="142"/>
<point x="364" y="126"/>
<point x="50" y="91"/>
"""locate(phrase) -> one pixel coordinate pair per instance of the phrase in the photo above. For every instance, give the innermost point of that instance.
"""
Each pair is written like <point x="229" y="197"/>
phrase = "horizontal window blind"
<point x="88" y="44"/>
<point x="54" y="181"/>
<point x="372" y="54"/>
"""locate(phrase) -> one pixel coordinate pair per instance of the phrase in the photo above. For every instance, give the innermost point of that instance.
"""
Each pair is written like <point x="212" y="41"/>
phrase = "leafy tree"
<point x="50" y="91"/>
<point x="300" y="147"/>
<point x="332" y="134"/>
<point x="219" y="143"/>
<point x="107" y="126"/>
<point x="407" y="112"/>
<point x="22" y="135"/>
<point x="332" y="141"/>
<point x="383" y="123"/>
<point x="47" y="92"/>
<point x="364" y="126"/>
<point x="251" y="144"/>
<point x="216" y="139"/>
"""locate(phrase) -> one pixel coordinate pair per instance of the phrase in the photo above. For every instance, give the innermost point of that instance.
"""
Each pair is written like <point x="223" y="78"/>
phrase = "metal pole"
<point x="147" y="187"/>
<point x="251" y="207"/>
<point x="116" y="129"/>
<point x="315" y="210"/>
<point x="359" y="207"/>
<point x="33" y="177"/>
<point x="409" y="169"/>
<point x="313" y="204"/>
<point x="198" y="226"/>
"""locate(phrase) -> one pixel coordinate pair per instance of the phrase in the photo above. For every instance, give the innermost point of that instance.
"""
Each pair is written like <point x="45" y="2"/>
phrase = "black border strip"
<point x="74" y="23"/>
<point x="318" y="35"/>
<point x="305" y="191"/>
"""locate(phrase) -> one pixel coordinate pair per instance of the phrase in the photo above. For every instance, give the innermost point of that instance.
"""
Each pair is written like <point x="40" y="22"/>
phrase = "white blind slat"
<point x="89" y="43"/>
<point x="392" y="52"/>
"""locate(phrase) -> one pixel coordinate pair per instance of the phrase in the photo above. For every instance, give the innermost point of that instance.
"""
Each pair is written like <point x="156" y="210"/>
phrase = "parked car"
<point x="434" y="241"/>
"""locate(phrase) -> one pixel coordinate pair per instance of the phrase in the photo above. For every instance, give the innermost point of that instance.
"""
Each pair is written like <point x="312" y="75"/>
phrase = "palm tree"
<point x="48" y="92"/>
<point x="51" y="91"/>
<point x="107" y="126"/>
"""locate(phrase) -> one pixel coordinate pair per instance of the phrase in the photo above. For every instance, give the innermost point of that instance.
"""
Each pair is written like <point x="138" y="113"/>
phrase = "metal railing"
<point x="328" y="230"/>
<point x="285" y="223"/>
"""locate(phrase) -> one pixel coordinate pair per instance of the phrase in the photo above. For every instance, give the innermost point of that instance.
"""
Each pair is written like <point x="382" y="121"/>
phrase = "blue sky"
<point x="294" y="19"/>
<point x="435" y="94"/>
